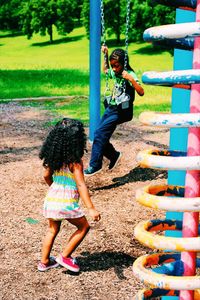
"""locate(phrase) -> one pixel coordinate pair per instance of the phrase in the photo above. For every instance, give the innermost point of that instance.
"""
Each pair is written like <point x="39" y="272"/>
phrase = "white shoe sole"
<point x="48" y="268"/>
<point x="89" y="175"/>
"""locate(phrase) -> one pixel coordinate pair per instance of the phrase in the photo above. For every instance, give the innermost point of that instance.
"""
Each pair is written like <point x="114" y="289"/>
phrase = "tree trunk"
<point x="50" y="32"/>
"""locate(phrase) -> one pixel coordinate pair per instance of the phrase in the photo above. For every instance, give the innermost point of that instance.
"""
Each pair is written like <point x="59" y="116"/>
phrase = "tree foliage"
<point x="9" y="14"/>
<point x="78" y="10"/>
<point x="85" y="14"/>
<point x="117" y="23"/>
<point x="114" y="17"/>
<point x="143" y="14"/>
<point x="39" y="16"/>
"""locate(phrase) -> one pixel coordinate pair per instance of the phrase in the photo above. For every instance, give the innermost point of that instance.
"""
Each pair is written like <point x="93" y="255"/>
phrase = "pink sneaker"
<point x="68" y="263"/>
<point x="44" y="267"/>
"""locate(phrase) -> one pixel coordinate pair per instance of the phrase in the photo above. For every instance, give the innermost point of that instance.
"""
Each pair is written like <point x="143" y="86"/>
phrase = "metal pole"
<point x="95" y="50"/>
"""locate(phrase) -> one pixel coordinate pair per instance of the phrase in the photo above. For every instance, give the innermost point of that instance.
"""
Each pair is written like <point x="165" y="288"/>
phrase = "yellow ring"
<point x="148" y="196"/>
<point x="162" y="281"/>
<point x="141" y="295"/>
<point x="154" y="241"/>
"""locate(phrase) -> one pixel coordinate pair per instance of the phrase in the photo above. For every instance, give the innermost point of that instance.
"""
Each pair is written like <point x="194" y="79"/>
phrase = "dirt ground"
<point x="108" y="252"/>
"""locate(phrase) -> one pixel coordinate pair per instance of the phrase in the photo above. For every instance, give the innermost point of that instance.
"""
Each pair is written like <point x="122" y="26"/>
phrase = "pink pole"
<point x="192" y="185"/>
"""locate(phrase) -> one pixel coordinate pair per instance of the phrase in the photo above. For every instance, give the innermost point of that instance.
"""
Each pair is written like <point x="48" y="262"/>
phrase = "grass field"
<point x="35" y="68"/>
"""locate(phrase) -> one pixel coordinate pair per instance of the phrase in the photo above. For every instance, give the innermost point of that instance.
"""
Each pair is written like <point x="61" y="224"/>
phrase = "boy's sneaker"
<point x="90" y="171"/>
<point x="68" y="263"/>
<point x="52" y="264"/>
<point x="114" y="162"/>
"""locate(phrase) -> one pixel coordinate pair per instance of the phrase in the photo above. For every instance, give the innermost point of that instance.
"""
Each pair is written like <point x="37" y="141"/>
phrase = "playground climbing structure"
<point x="173" y="272"/>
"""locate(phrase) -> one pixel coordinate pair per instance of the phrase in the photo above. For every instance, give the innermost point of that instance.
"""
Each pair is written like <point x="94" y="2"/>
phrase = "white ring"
<point x="148" y="196"/>
<point x="172" y="31"/>
<point x="147" y="159"/>
<point x="155" y="241"/>
<point x="163" y="281"/>
<point x="172" y="78"/>
<point x="170" y="120"/>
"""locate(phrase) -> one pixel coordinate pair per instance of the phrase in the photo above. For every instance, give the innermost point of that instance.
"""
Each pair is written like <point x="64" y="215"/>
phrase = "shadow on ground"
<point x="137" y="174"/>
<point x="11" y="34"/>
<point x="152" y="50"/>
<point x="104" y="261"/>
<point x="59" y="41"/>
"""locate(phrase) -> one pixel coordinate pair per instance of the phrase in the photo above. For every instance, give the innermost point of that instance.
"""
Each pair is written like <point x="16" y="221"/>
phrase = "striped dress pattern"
<point x="62" y="199"/>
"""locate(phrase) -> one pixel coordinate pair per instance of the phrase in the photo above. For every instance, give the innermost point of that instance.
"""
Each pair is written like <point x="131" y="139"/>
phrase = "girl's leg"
<point x="77" y="237"/>
<point x="53" y="229"/>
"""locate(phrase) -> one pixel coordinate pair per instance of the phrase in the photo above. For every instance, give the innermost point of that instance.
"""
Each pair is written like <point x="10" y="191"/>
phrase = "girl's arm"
<point x="139" y="89"/>
<point x="48" y="176"/>
<point x="104" y="49"/>
<point x="77" y="170"/>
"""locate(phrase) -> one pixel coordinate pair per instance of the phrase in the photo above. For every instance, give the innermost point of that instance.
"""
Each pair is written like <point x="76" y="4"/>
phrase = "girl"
<point x="117" y="112"/>
<point x="61" y="154"/>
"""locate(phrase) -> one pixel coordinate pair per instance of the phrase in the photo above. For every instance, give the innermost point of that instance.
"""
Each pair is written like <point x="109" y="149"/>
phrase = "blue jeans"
<point x="101" y="145"/>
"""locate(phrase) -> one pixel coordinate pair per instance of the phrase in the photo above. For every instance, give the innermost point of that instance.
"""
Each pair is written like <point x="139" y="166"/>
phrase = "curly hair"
<point x="65" y="144"/>
<point x="119" y="55"/>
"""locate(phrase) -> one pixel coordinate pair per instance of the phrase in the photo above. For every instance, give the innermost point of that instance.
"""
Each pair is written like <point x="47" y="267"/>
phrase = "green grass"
<point x="36" y="68"/>
<point x="71" y="52"/>
<point x="38" y="83"/>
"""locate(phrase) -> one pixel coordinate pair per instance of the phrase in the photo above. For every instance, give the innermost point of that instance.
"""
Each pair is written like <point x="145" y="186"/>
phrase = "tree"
<point x="85" y="14"/>
<point x="77" y="12"/>
<point x="9" y="14"/>
<point x="39" y="16"/>
<point x="116" y="24"/>
<point x="145" y="15"/>
<point x="114" y="17"/>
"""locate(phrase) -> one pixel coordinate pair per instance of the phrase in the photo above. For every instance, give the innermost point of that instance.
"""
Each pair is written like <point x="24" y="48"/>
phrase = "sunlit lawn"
<point x="35" y="68"/>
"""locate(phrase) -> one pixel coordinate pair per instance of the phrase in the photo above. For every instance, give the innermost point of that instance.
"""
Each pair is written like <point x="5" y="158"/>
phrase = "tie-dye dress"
<point x="62" y="199"/>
